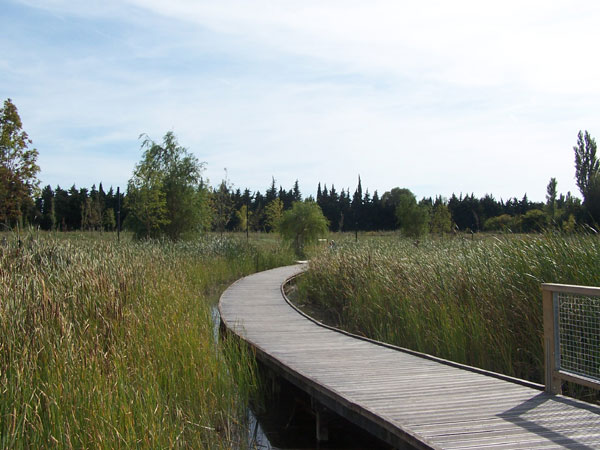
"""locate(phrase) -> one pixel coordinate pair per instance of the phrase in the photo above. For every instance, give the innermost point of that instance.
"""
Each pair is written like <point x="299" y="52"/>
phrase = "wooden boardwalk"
<point x="396" y="395"/>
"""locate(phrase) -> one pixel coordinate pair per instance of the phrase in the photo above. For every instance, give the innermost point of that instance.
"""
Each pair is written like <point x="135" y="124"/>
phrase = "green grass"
<point x="106" y="345"/>
<point x="475" y="301"/>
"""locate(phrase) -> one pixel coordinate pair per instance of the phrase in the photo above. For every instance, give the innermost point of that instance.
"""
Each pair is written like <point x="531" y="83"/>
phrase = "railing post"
<point x="553" y="381"/>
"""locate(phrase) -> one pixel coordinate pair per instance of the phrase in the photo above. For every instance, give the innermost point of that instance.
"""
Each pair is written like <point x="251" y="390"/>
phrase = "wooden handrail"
<point x="571" y="289"/>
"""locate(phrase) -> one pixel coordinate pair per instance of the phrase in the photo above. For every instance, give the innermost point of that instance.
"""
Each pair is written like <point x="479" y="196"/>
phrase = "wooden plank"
<point x="493" y="423"/>
<point x="398" y="395"/>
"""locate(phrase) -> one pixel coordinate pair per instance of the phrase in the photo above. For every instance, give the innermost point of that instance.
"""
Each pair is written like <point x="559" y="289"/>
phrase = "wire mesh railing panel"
<point x="578" y="324"/>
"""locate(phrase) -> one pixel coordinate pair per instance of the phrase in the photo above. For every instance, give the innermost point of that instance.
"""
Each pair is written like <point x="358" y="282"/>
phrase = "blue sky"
<point x="439" y="97"/>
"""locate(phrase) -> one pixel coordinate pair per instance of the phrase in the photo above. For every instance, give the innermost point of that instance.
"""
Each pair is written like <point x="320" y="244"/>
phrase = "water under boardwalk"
<point x="397" y="396"/>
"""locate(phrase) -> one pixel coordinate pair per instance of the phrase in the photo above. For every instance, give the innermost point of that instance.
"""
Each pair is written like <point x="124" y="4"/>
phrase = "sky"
<point x="439" y="97"/>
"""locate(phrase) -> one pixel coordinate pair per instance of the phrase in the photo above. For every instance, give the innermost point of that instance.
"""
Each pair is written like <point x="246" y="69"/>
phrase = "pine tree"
<point x="47" y="210"/>
<point x="356" y="206"/>
<point x="296" y="195"/>
<point x="271" y="193"/>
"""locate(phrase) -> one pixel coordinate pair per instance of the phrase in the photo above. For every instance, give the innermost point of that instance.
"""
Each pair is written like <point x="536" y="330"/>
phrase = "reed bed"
<point x="107" y="345"/>
<point x="476" y="302"/>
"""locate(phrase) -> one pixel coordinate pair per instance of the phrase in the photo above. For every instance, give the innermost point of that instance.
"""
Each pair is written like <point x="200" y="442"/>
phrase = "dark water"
<point x="283" y="418"/>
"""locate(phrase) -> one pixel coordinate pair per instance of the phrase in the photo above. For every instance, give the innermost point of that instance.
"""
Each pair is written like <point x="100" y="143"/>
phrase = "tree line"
<point x="167" y="195"/>
<point x="224" y="208"/>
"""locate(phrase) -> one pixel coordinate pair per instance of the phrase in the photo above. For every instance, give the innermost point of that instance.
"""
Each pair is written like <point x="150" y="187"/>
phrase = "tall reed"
<point x="473" y="301"/>
<point x="106" y="345"/>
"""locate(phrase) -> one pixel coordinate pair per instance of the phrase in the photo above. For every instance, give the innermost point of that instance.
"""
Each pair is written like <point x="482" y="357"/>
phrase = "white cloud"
<point x="436" y="96"/>
<point x="538" y="43"/>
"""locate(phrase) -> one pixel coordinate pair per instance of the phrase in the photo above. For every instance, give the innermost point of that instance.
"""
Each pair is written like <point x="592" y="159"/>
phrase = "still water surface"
<point x="283" y="419"/>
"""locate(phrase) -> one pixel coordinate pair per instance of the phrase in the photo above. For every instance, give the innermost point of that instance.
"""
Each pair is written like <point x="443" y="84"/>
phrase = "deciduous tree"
<point x="243" y="216"/>
<point x="441" y="219"/>
<point x="534" y="220"/>
<point x="273" y="214"/>
<point x="166" y="195"/>
<point x="551" y="198"/>
<point x="411" y="217"/>
<point x="586" y="173"/>
<point x="302" y="225"/>
<point x="18" y="167"/>
<point x="586" y="162"/>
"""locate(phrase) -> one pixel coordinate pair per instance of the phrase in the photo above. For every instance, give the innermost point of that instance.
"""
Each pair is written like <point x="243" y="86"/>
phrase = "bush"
<point x="534" y="220"/>
<point x="504" y="222"/>
<point x="303" y="224"/>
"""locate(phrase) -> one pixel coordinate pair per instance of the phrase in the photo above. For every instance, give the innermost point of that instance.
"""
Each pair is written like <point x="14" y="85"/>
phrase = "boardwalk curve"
<point x="398" y="396"/>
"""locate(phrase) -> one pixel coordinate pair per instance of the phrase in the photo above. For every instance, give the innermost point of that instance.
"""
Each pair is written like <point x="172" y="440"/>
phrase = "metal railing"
<point x="571" y="335"/>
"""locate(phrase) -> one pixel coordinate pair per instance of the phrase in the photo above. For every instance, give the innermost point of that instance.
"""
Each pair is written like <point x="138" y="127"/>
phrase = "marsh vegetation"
<point x="107" y="345"/>
<point x="473" y="301"/>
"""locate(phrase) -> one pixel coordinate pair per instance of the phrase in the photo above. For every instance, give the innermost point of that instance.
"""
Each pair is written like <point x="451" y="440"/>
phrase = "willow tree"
<point x="303" y="224"/>
<point x="412" y="217"/>
<point x="166" y="195"/>
<point x="18" y="168"/>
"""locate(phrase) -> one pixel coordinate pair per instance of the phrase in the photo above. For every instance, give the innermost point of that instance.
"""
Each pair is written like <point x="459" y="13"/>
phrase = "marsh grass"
<point x="106" y="345"/>
<point x="474" y="301"/>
